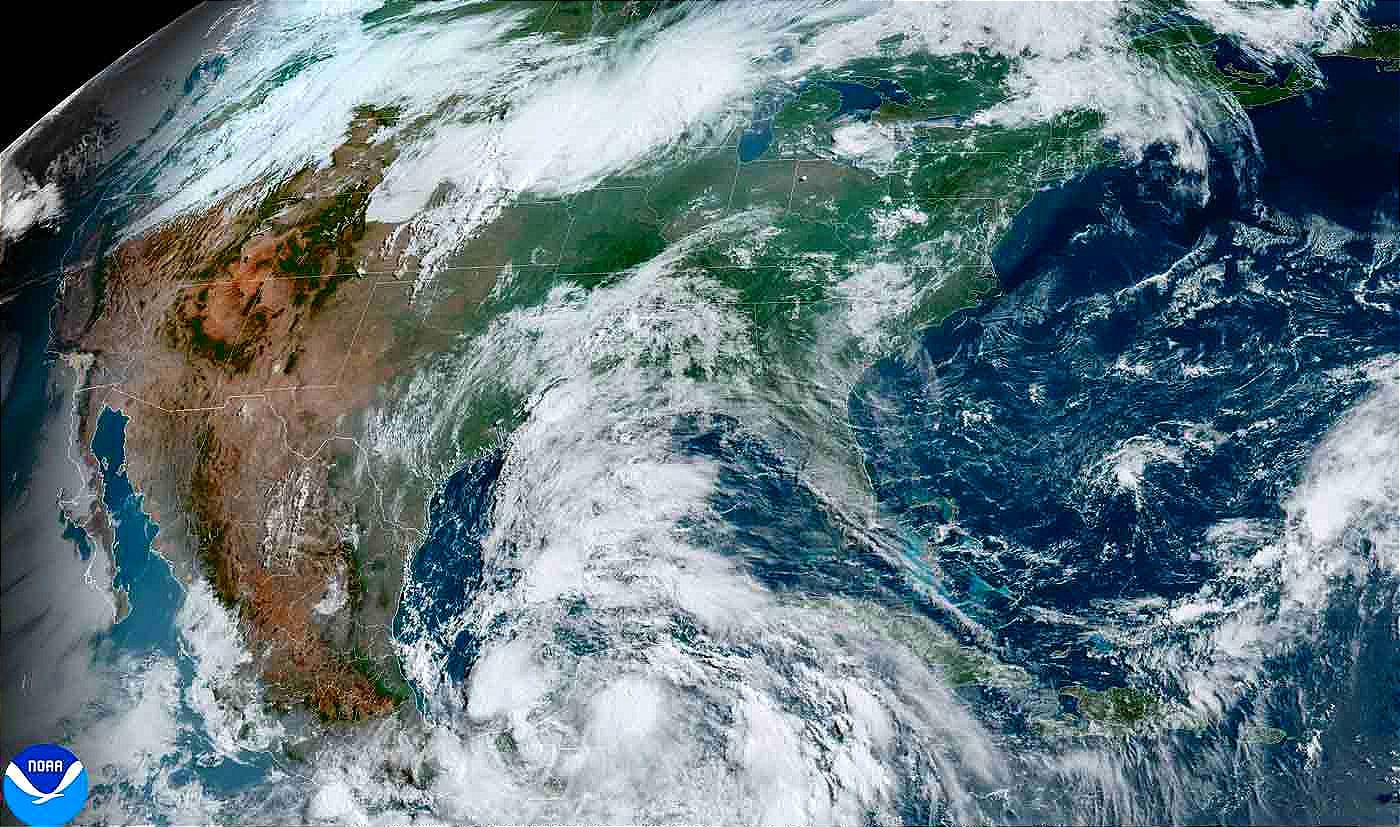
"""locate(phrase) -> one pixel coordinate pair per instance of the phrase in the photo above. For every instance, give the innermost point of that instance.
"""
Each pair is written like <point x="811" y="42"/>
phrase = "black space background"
<point x="50" y="48"/>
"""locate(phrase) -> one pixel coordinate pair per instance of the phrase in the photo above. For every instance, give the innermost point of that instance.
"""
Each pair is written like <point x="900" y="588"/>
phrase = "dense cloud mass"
<point x="916" y="487"/>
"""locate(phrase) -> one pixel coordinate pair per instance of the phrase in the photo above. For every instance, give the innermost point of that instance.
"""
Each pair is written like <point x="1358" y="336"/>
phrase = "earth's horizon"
<point x="760" y="412"/>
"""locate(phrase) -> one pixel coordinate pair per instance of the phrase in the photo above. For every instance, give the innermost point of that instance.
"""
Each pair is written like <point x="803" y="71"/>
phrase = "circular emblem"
<point x="45" y="785"/>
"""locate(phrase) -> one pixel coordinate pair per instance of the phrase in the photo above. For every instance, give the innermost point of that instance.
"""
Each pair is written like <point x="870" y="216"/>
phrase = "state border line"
<point x="796" y="301"/>
<point x="567" y="202"/>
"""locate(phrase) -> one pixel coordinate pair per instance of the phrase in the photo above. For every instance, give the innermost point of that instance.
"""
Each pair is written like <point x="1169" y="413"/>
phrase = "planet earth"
<point x="757" y="412"/>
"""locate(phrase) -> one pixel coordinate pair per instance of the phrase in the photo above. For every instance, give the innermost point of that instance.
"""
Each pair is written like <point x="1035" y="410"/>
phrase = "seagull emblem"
<point x="13" y="773"/>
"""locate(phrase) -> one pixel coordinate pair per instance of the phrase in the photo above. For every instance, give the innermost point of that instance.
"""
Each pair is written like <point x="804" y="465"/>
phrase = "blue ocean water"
<point x="150" y="627"/>
<point x="1017" y="412"/>
<point x="445" y="572"/>
<point x="990" y="440"/>
<point x="76" y="535"/>
<point x="154" y="593"/>
<point x="26" y="403"/>
<point x="149" y="630"/>
<point x="26" y="316"/>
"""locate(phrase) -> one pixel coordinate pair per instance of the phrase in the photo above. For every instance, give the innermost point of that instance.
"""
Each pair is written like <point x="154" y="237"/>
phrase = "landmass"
<point x="1379" y="43"/>
<point x="248" y="341"/>
<point x="224" y="336"/>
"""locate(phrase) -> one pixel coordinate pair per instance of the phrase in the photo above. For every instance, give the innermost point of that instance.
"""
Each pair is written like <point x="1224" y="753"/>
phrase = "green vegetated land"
<point x="1381" y="43"/>
<point x="791" y="232"/>
<point x="1119" y="706"/>
<point x="1193" y="50"/>
<point x="959" y="185"/>
<point x="561" y="18"/>
<point x="788" y="233"/>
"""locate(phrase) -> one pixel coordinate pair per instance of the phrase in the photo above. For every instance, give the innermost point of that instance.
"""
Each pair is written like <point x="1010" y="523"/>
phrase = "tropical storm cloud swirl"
<point x="730" y="413"/>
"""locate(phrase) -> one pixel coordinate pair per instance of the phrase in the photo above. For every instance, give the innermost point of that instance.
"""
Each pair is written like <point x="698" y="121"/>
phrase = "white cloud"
<point x="27" y="205"/>
<point x="1340" y="520"/>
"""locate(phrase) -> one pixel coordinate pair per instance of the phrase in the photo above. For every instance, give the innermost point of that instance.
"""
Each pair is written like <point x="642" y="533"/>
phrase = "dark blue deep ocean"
<point x="1011" y="478"/>
<point x="1028" y="531"/>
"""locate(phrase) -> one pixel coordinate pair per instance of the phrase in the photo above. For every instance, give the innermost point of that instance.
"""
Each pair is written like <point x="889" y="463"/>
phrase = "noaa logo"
<point x="46" y="785"/>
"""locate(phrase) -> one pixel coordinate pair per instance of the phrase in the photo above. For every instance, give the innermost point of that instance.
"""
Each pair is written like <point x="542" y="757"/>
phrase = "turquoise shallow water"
<point x="1024" y="516"/>
<point x="155" y="595"/>
<point x="152" y="626"/>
